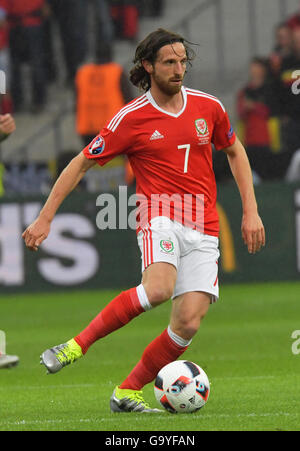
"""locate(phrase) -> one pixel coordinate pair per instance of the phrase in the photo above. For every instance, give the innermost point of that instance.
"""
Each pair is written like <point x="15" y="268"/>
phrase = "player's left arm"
<point x="253" y="231"/>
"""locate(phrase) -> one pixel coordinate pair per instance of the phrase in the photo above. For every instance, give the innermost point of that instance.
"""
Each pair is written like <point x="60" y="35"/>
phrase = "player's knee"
<point x="187" y="329"/>
<point x="187" y="325"/>
<point x="159" y="294"/>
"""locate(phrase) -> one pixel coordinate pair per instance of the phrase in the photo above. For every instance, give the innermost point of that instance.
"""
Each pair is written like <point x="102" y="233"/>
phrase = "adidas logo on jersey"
<point x="156" y="135"/>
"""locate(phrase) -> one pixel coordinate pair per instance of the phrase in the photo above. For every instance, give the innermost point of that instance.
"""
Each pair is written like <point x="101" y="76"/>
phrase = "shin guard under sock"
<point x="126" y="306"/>
<point x="158" y="353"/>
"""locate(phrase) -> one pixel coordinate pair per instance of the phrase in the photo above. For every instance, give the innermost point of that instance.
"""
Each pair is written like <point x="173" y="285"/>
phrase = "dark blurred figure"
<point x="7" y="127"/>
<point x="151" y="8"/>
<point x="5" y="98"/>
<point x="104" y="23"/>
<point x="26" y="45"/>
<point x="256" y="104"/>
<point x="283" y="40"/>
<point x="290" y="99"/>
<point x="125" y="15"/>
<point x="283" y="47"/>
<point x="71" y="18"/>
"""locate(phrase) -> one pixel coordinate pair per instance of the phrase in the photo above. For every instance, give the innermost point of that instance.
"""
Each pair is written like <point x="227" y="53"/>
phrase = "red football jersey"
<point x="170" y="154"/>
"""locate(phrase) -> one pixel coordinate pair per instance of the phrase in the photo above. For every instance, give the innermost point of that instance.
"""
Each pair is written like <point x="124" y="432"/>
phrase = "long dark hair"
<point x="148" y="49"/>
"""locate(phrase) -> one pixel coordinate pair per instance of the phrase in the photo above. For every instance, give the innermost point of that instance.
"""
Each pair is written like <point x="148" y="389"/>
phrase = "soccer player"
<point x="167" y="135"/>
<point x="7" y="127"/>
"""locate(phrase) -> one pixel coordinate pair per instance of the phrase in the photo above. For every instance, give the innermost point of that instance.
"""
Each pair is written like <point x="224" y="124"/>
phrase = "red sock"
<point x="158" y="353"/>
<point x="116" y="314"/>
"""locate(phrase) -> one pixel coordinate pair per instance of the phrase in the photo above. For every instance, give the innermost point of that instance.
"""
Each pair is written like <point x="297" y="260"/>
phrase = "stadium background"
<point x="80" y="257"/>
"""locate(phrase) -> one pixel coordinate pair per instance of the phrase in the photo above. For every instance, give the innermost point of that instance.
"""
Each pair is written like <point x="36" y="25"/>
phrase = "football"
<point x="182" y="387"/>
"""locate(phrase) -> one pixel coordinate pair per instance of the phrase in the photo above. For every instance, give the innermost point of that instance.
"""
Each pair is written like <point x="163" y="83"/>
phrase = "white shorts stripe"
<point x="144" y="250"/>
<point x="147" y="246"/>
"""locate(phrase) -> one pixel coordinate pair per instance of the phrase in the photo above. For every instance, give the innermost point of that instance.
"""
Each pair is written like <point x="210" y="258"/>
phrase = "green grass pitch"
<point x="244" y="345"/>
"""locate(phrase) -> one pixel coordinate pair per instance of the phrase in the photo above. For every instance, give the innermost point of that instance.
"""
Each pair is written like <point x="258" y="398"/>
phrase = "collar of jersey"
<point x="153" y="103"/>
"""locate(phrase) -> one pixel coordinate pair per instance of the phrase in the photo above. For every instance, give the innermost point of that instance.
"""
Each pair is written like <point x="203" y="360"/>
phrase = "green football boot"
<point x="59" y="356"/>
<point x="125" y="400"/>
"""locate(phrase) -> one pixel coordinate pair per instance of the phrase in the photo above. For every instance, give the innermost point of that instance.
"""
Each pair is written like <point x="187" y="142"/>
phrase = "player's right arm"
<point x="104" y="147"/>
<point x="38" y="231"/>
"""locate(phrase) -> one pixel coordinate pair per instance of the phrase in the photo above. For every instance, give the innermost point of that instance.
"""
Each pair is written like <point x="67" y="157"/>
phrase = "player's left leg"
<point x="196" y="287"/>
<point x="187" y="312"/>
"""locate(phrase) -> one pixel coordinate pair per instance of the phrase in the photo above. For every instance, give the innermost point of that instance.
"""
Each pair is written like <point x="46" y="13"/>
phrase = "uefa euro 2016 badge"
<point x="97" y="146"/>
<point x="202" y="131"/>
<point x="230" y="133"/>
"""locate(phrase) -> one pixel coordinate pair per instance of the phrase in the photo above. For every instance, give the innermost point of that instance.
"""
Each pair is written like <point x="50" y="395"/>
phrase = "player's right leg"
<point x="157" y="287"/>
<point x="159" y="281"/>
<point x="126" y="306"/>
<point x="160" y="255"/>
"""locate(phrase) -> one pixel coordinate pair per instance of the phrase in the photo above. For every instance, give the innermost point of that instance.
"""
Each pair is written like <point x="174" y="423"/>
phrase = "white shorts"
<point x="194" y="255"/>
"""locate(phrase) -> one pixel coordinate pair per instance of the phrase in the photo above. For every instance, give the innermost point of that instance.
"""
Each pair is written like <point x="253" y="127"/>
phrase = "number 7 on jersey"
<point x="187" y="153"/>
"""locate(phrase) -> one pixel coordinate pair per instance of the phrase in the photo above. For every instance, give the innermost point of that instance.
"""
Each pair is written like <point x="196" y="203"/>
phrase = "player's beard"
<point x="167" y="87"/>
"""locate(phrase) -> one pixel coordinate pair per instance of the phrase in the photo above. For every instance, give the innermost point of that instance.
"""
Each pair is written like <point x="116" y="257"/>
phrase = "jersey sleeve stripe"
<point x="197" y="91"/>
<point x="117" y="122"/>
<point x="208" y="96"/>
<point x="125" y="108"/>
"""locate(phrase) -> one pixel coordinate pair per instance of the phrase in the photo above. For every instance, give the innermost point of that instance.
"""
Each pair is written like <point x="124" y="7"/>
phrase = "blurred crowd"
<point x="70" y="42"/>
<point x="27" y="31"/>
<point x="268" y="106"/>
